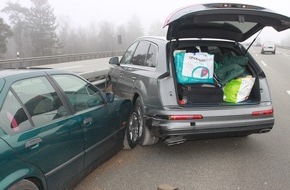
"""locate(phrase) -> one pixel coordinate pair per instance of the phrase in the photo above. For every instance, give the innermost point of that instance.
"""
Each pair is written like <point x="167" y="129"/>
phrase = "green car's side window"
<point x="40" y="100"/>
<point x="81" y="94"/>
<point x="13" y="118"/>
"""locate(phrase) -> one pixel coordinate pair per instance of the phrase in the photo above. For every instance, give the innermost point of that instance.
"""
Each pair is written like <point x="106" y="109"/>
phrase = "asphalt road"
<point x="256" y="162"/>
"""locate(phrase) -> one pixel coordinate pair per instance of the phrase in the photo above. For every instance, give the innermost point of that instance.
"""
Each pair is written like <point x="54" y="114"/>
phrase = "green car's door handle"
<point x="33" y="143"/>
<point x="87" y="121"/>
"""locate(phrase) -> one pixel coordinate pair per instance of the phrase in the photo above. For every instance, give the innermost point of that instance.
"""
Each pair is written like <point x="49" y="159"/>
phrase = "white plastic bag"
<point x="199" y="66"/>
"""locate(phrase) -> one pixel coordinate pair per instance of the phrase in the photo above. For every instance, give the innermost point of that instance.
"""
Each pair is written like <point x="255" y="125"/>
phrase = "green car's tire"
<point x="24" y="184"/>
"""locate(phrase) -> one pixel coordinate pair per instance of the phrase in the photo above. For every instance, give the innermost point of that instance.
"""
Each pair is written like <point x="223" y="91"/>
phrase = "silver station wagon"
<point x="199" y="81"/>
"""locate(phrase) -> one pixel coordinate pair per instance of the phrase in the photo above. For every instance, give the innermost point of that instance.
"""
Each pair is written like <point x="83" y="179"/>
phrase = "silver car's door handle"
<point x="134" y="78"/>
<point x="33" y="143"/>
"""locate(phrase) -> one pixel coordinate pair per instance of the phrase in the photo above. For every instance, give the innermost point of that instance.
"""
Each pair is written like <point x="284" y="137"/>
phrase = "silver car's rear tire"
<point x="144" y="134"/>
<point x="132" y="132"/>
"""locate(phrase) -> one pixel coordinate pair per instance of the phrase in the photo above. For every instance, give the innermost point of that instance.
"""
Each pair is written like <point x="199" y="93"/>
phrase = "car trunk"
<point x="236" y="22"/>
<point x="213" y="92"/>
<point x="215" y="76"/>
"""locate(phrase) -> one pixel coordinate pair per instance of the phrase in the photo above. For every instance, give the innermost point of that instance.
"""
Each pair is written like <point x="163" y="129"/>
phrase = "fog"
<point x="85" y="12"/>
<point x="87" y="25"/>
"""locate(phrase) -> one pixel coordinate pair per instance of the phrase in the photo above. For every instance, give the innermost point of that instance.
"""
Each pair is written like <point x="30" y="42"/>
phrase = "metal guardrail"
<point x="284" y="47"/>
<point x="44" y="60"/>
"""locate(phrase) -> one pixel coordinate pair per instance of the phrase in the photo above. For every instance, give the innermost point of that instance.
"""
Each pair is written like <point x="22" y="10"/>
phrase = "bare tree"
<point x="36" y="32"/>
<point x="34" y="29"/>
<point x="156" y="29"/>
<point x="286" y="40"/>
<point x="122" y="38"/>
<point x="64" y="32"/>
<point x="93" y="37"/>
<point x="134" y="29"/>
<point x="106" y="36"/>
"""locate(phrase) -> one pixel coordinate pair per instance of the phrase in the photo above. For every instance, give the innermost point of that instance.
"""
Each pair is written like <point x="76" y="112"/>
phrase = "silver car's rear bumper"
<point x="224" y="121"/>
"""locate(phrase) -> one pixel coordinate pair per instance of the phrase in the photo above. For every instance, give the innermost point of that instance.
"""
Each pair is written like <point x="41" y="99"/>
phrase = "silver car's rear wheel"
<point x="132" y="132"/>
<point x="144" y="134"/>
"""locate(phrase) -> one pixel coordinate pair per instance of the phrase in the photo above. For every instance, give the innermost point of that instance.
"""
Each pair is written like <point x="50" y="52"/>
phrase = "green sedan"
<point x="56" y="127"/>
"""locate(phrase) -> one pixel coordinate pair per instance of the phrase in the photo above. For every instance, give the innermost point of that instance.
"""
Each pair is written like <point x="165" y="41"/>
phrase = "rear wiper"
<point x="253" y="41"/>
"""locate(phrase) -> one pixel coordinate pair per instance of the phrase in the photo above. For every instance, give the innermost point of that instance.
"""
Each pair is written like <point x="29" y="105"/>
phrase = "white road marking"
<point x="71" y="67"/>
<point x="288" y="91"/>
<point x="264" y="63"/>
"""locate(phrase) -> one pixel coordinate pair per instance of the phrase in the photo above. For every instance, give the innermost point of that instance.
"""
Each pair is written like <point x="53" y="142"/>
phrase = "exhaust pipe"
<point x="174" y="140"/>
<point x="264" y="131"/>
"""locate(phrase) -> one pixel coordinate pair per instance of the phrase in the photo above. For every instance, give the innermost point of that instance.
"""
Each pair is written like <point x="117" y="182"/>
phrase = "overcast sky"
<point x="85" y="12"/>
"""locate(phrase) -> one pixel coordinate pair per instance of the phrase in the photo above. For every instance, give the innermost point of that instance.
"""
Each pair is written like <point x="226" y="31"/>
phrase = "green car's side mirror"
<point x="110" y="97"/>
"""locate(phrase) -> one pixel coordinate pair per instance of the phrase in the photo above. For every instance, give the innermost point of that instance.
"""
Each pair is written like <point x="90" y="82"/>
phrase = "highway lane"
<point x="277" y="70"/>
<point x="82" y="66"/>
<point x="256" y="162"/>
<point x="89" y="69"/>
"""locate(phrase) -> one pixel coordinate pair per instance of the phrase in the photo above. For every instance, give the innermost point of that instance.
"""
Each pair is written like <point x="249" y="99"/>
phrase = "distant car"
<point x="55" y="127"/>
<point x="268" y="47"/>
<point x="174" y="111"/>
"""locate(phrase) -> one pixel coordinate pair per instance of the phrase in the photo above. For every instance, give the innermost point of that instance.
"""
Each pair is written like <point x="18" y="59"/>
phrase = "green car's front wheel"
<point x="24" y="185"/>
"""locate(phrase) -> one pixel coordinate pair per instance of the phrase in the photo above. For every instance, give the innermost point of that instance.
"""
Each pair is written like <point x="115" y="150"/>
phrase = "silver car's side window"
<point x="140" y="54"/>
<point x="145" y="55"/>
<point x="126" y="59"/>
<point x="151" y="60"/>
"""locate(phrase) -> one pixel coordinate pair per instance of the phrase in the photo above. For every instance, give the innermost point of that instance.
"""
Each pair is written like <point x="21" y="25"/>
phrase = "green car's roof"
<point x="11" y="72"/>
<point x="23" y="73"/>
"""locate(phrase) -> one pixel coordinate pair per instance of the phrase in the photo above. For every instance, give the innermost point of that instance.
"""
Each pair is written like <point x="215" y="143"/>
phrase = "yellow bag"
<point x="238" y="90"/>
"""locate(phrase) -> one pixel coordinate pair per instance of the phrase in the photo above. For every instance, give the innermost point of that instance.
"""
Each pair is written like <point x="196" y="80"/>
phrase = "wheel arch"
<point x="139" y="89"/>
<point x="37" y="182"/>
<point x="135" y="96"/>
<point x="32" y="174"/>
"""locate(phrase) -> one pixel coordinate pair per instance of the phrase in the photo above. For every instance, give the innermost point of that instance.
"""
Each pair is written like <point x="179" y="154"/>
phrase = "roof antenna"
<point x="253" y="41"/>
